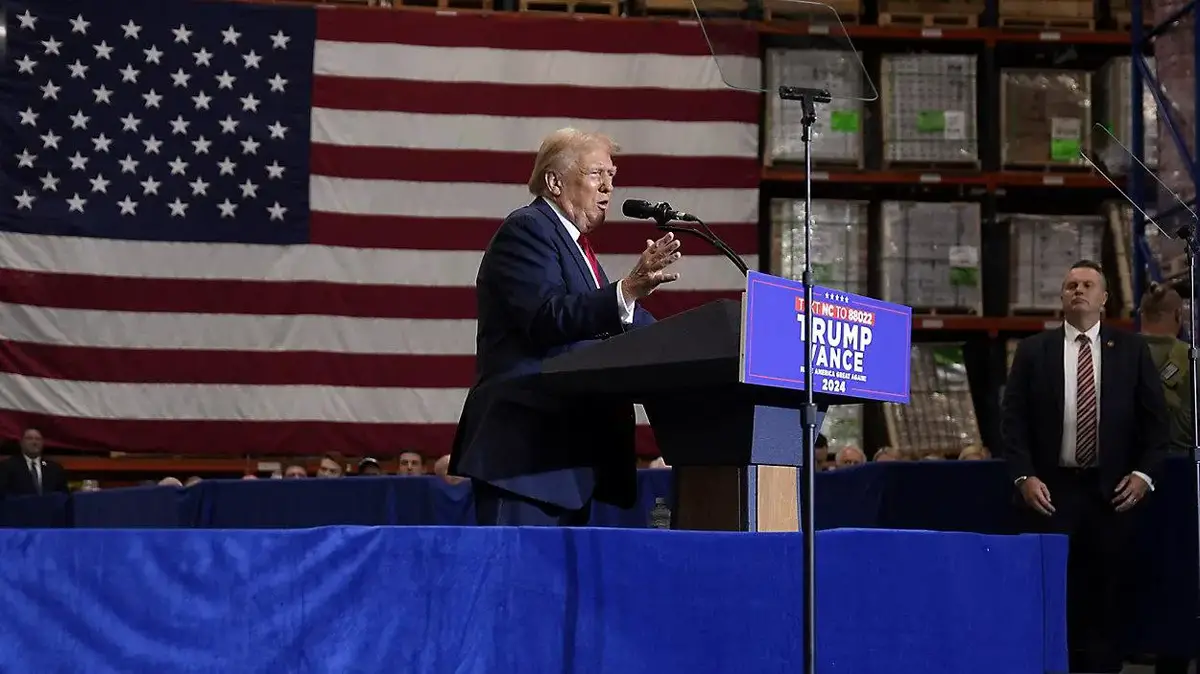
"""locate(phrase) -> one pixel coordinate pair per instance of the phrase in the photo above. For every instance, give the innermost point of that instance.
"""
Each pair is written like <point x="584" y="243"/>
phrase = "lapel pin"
<point x="1109" y="344"/>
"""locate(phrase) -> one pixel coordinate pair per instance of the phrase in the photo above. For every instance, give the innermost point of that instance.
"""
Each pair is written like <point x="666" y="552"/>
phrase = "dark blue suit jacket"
<point x="537" y="300"/>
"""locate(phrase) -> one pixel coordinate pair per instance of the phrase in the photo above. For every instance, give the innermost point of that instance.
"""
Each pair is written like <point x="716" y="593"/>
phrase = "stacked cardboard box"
<point x="929" y="113"/>
<point x="843" y="427"/>
<point x="1175" y="50"/>
<point x="1114" y="109"/>
<point x="930" y="255"/>
<point x="837" y="132"/>
<point x="839" y="242"/>
<point x="1043" y="248"/>
<point x="1046" y="116"/>
<point x="941" y="415"/>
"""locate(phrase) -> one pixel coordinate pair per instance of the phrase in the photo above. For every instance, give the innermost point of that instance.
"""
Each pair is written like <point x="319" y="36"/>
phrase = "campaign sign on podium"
<point x="860" y="345"/>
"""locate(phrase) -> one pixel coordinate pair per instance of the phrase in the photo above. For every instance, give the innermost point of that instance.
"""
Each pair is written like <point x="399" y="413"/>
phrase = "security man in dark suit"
<point x="1084" y="428"/>
<point x="30" y="473"/>
<point x="534" y="456"/>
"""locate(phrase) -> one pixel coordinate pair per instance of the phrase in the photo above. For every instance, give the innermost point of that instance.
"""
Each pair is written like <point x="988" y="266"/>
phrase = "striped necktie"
<point x="1086" y="431"/>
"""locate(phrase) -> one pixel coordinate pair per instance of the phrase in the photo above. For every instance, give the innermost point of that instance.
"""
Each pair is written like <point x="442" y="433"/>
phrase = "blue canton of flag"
<point x="157" y="121"/>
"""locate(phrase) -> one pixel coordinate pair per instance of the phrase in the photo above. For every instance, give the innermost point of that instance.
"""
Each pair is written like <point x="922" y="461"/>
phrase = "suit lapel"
<point x="1108" y="377"/>
<point x="1054" y="357"/>
<point x="583" y="270"/>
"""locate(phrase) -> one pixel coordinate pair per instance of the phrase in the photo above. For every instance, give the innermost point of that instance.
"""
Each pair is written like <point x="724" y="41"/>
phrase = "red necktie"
<point x="591" y="257"/>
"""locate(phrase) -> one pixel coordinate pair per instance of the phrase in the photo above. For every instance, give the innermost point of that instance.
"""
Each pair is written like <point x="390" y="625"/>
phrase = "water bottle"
<point x="660" y="514"/>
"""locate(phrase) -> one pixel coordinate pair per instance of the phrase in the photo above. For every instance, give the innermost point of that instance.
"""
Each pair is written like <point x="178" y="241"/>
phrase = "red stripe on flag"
<point x="523" y="100"/>
<point x="223" y="438"/>
<point x="413" y="233"/>
<point x="477" y="166"/>
<point x="295" y="298"/>
<point x="531" y="32"/>
<point x="248" y="368"/>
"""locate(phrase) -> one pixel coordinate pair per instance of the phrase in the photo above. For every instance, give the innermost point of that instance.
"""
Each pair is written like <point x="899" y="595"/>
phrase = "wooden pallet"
<point x="1040" y="312"/>
<point x="610" y="7"/>
<point x="929" y="20"/>
<point x="1048" y="167"/>
<point x="714" y="8"/>
<point x="928" y="312"/>
<point x="940" y="167"/>
<point x="1124" y="20"/>
<point x="1046" y="23"/>
<point x="849" y="11"/>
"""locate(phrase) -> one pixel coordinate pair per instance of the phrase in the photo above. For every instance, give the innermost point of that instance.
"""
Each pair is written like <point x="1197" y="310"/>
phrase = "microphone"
<point x="660" y="212"/>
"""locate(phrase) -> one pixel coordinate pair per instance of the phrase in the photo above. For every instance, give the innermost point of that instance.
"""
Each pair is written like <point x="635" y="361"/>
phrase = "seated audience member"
<point x="369" y="467"/>
<point x="249" y="476"/>
<point x="411" y="463"/>
<point x="29" y="473"/>
<point x="849" y="456"/>
<point x="441" y="468"/>
<point x="889" y="454"/>
<point x="974" y="453"/>
<point x="294" y="471"/>
<point x="170" y="482"/>
<point x="195" y="479"/>
<point x="329" y="467"/>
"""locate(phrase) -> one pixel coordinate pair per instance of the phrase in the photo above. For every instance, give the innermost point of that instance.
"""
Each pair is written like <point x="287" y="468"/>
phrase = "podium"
<point x="722" y="385"/>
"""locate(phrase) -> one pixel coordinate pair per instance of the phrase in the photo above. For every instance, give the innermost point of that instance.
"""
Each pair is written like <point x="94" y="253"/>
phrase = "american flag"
<point x="235" y="228"/>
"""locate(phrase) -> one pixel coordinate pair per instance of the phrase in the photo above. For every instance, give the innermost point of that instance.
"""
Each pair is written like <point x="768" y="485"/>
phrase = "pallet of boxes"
<point x="1046" y="118"/>
<point x="929" y="111"/>
<point x="929" y="256"/>
<point x="1043" y="248"/>
<point x="940" y="419"/>
<point x="1047" y="15"/>
<point x="837" y="138"/>
<point x="930" y="13"/>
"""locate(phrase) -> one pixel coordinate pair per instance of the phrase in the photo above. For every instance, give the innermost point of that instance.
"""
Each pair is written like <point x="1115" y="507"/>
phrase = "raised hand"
<point x="651" y="269"/>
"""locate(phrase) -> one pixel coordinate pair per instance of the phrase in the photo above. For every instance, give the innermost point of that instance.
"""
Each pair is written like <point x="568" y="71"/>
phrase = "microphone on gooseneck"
<point x="659" y="211"/>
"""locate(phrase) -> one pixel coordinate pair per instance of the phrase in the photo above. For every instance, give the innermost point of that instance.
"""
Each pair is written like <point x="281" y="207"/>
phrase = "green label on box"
<point x="844" y="121"/>
<point x="823" y="272"/>
<point x="964" y="277"/>
<point x="1064" y="149"/>
<point x="931" y="121"/>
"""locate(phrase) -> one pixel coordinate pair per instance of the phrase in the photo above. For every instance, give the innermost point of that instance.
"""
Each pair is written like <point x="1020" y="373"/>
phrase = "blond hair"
<point x="560" y="151"/>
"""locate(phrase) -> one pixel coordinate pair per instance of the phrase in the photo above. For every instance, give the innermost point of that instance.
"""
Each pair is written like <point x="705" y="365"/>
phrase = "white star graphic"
<point x="50" y="90"/>
<point x="279" y="40"/>
<point x="103" y="51"/>
<point x="252" y="59"/>
<point x="78" y="162"/>
<point x="199" y="187"/>
<point x="228" y="125"/>
<point x="182" y="34"/>
<point x="227" y="208"/>
<point x="225" y="80"/>
<point x="227" y="166"/>
<point x="203" y="57"/>
<point x="52" y="46"/>
<point x="25" y="65"/>
<point x="250" y="146"/>
<point x="153" y="55"/>
<point x="249" y="190"/>
<point x="150" y="185"/>
<point x="178" y="208"/>
<point x="180" y="78"/>
<point x="152" y="99"/>
<point x="80" y="25"/>
<point x="103" y="95"/>
<point x="129" y="73"/>
<point x="76" y="203"/>
<point x="28" y="21"/>
<point x="274" y="171"/>
<point x="28" y="117"/>
<point x="25" y="200"/>
<point x="25" y="160"/>
<point x="100" y="184"/>
<point x="249" y="103"/>
<point x="128" y="164"/>
<point x="277" y="130"/>
<point x="201" y="145"/>
<point x="79" y="120"/>
<point x="178" y="167"/>
<point x="130" y="123"/>
<point x="128" y="206"/>
<point x="101" y="142"/>
<point x="131" y="30"/>
<point x="179" y="125"/>
<point x="78" y="70"/>
<point x="49" y="183"/>
<point x="277" y="83"/>
<point x="50" y="140"/>
<point x="230" y="36"/>
<point x="202" y="100"/>
<point x="276" y="211"/>
<point x="152" y="145"/>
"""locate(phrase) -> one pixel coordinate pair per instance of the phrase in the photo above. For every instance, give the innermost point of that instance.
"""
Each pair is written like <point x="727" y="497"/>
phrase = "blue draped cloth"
<point x="468" y="600"/>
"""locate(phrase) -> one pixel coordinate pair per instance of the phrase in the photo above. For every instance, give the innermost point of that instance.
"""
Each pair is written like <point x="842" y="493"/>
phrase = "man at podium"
<point x="536" y="457"/>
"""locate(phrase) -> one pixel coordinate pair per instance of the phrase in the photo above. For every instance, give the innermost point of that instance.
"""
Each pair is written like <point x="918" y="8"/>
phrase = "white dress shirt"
<point x="1070" y="419"/>
<point x="623" y="307"/>
<point x="35" y="469"/>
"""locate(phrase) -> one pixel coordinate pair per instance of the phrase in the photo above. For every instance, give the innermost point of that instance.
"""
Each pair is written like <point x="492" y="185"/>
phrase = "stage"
<point x="503" y="601"/>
